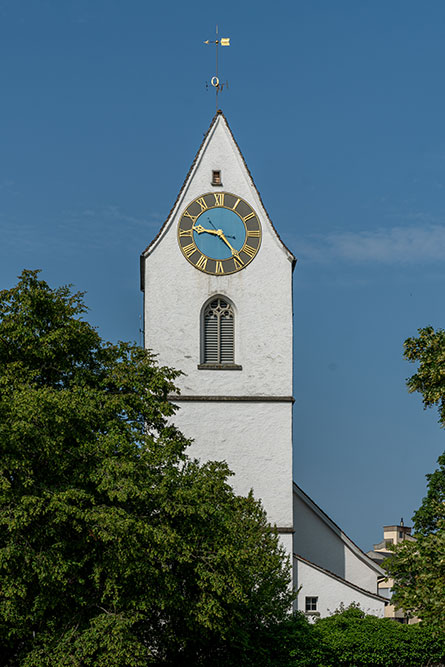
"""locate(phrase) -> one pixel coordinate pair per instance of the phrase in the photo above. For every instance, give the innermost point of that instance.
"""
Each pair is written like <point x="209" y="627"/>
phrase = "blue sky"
<point x="339" y="110"/>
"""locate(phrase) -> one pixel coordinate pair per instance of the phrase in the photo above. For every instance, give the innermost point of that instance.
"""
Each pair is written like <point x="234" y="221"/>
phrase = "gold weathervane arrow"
<point x="224" y="41"/>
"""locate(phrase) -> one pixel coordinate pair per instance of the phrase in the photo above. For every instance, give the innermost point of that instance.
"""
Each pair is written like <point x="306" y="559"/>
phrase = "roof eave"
<point x="338" y="531"/>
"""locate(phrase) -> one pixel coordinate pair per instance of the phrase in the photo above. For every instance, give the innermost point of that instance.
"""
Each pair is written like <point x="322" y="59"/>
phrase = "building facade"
<point x="217" y="283"/>
<point x="392" y="535"/>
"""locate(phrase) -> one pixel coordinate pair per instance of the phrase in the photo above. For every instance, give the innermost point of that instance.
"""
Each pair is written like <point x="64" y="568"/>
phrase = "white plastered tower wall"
<point x="241" y="416"/>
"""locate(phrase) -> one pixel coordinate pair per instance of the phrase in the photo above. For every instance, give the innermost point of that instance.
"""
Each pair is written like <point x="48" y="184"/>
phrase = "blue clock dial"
<point x="215" y="230"/>
<point x="219" y="233"/>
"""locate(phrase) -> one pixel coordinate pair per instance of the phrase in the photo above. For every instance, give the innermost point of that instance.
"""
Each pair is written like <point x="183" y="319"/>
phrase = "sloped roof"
<point x="376" y="596"/>
<point x="337" y="530"/>
<point x="214" y="120"/>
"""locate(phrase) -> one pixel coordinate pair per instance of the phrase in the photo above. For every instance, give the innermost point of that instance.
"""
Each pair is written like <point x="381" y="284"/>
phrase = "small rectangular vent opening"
<point x="216" y="177"/>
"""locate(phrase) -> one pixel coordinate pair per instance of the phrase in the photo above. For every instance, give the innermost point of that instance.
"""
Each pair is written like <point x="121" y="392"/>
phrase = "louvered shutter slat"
<point x="226" y="345"/>
<point x="211" y="339"/>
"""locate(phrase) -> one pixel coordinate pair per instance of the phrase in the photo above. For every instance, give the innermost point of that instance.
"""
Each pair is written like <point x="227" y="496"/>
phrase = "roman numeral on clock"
<point x="219" y="198"/>
<point x="219" y="267"/>
<point x="189" y="249"/>
<point x="193" y="218"/>
<point x="186" y="232"/>
<point x="254" y="233"/>
<point x="249" y="216"/>
<point x="238" y="261"/>
<point x="201" y="201"/>
<point x="201" y="263"/>
<point x="249" y="250"/>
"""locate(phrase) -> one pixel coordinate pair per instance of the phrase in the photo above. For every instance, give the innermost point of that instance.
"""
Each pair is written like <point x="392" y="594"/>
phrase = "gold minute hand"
<point x="221" y="236"/>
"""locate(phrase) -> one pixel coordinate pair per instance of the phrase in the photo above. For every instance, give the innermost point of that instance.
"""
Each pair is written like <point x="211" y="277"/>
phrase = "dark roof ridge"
<point x="337" y="576"/>
<point x="214" y="119"/>
<point x="294" y="259"/>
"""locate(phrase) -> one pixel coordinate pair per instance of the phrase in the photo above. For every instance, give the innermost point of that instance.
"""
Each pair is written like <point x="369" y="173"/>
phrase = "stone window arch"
<point x="218" y="332"/>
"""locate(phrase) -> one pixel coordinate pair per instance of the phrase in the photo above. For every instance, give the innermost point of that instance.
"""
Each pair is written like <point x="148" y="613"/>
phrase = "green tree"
<point x="115" y="547"/>
<point x="352" y="637"/>
<point x="428" y="349"/>
<point x="418" y="568"/>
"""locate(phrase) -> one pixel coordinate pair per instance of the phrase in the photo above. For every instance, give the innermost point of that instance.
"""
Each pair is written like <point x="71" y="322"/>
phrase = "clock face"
<point x="219" y="233"/>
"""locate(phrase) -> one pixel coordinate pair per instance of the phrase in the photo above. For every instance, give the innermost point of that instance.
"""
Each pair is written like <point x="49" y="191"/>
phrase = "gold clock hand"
<point x="221" y="236"/>
<point x="200" y="229"/>
<point x="216" y="232"/>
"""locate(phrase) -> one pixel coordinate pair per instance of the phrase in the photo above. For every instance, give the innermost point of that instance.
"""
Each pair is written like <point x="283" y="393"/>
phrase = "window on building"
<point x="311" y="604"/>
<point x="219" y="333"/>
<point x="385" y="592"/>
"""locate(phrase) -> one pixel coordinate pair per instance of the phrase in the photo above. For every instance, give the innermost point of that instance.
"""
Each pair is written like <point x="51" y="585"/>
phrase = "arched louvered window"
<point x="218" y="333"/>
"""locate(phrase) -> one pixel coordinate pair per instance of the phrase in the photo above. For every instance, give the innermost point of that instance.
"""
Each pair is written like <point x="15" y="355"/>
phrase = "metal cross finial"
<point x="224" y="41"/>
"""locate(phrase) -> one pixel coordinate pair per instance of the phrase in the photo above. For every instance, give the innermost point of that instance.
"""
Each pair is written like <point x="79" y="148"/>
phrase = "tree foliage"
<point x="418" y="568"/>
<point x="428" y="349"/>
<point x="430" y="516"/>
<point x="115" y="547"/>
<point x="352" y="637"/>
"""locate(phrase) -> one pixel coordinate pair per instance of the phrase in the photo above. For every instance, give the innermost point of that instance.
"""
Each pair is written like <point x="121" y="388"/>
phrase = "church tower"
<point x="217" y="283"/>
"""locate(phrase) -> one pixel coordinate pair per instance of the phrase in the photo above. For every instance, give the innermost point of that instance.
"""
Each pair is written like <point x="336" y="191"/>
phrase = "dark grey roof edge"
<point x="294" y="259"/>
<point x="142" y="259"/>
<point x="376" y="596"/>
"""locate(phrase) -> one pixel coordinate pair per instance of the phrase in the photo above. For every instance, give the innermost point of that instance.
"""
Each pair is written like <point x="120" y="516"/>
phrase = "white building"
<point x="329" y="566"/>
<point x="217" y="283"/>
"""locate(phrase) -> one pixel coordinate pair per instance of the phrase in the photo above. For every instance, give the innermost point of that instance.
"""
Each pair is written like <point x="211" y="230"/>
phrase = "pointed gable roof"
<point x="298" y="491"/>
<point x="219" y="115"/>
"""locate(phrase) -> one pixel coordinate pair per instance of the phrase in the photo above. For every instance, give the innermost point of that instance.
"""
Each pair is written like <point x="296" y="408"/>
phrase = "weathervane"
<point x="224" y="41"/>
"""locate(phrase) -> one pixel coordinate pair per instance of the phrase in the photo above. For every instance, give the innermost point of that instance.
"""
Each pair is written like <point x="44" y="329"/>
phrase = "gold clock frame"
<point x="240" y="258"/>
